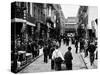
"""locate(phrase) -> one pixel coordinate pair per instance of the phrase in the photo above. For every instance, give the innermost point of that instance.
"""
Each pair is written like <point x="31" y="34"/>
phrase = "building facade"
<point x="82" y="22"/>
<point x="92" y="24"/>
<point x="27" y="25"/>
<point x="86" y="23"/>
<point x="31" y="22"/>
<point x="71" y="24"/>
<point x="62" y="22"/>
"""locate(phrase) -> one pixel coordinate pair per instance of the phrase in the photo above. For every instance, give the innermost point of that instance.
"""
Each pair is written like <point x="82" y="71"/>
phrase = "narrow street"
<point x="39" y="66"/>
<point x="35" y="26"/>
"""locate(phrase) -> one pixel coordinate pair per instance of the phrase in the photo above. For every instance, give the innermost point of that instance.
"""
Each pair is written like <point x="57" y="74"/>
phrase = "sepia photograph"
<point x="48" y="37"/>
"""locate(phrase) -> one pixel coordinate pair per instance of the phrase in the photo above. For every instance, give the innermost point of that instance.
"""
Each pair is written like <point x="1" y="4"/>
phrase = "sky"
<point x="70" y="10"/>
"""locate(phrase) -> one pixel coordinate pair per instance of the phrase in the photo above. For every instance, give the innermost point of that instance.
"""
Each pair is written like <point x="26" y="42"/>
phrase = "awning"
<point x="30" y="23"/>
<point x="18" y="20"/>
<point x="23" y="21"/>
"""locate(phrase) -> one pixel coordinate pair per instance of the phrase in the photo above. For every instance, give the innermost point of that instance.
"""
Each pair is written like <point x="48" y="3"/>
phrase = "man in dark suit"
<point x="91" y="50"/>
<point x="68" y="59"/>
<point x="45" y="52"/>
<point x="76" y="45"/>
<point x="52" y="61"/>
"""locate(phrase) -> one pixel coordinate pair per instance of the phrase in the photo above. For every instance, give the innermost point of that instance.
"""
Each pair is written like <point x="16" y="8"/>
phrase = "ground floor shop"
<point x="25" y="46"/>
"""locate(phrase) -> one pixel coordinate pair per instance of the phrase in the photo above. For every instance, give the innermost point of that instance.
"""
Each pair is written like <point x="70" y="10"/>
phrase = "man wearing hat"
<point x="45" y="52"/>
<point x="68" y="59"/>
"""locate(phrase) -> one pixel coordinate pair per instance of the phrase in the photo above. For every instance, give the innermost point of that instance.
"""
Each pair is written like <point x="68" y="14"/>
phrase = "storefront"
<point x="21" y="32"/>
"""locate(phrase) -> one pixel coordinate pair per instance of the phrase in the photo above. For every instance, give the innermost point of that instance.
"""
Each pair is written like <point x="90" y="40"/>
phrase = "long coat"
<point x="68" y="58"/>
<point x="45" y="51"/>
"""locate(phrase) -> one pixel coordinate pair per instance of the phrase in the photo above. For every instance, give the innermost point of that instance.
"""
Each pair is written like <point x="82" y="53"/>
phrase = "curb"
<point x="84" y="61"/>
<point x="88" y="66"/>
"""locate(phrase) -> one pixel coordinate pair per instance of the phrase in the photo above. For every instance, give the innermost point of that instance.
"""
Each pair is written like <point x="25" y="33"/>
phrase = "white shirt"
<point x="56" y="54"/>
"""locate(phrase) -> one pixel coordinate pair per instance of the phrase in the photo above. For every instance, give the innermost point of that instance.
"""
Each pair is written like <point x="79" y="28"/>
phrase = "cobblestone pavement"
<point x="39" y="66"/>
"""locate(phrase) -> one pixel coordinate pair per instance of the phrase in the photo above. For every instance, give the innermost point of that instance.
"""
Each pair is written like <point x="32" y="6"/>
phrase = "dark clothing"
<point x="45" y="51"/>
<point x="64" y="39"/>
<point x="76" y="49"/>
<point x="52" y="64"/>
<point x="68" y="60"/>
<point x="96" y="54"/>
<point x="91" y="58"/>
<point x="49" y="48"/>
<point x="81" y="45"/>
<point x="76" y="45"/>
<point x="72" y="40"/>
<point x="91" y="50"/>
<point x="51" y="51"/>
<point x="45" y="58"/>
<point x="67" y="41"/>
<point x="33" y="45"/>
<point x="68" y="66"/>
<point x="29" y="48"/>
<point x="59" y="41"/>
<point x="41" y="43"/>
<point x="52" y="61"/>
<point x="58" y="62"/>
<point x="36" y="50"/>
<point x="86" y="52"/>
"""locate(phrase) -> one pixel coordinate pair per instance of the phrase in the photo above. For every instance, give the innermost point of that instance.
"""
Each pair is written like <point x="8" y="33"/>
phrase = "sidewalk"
<point x="40" y="54"/>
<point x="37" y="66"/>
<point x="87" y="61"/>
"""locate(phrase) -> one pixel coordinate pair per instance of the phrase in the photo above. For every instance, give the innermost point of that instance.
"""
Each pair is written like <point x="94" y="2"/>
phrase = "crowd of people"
<point x="88" y="47"/>
<point x="29" y="47"/>
<point x="51" y="51"/>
